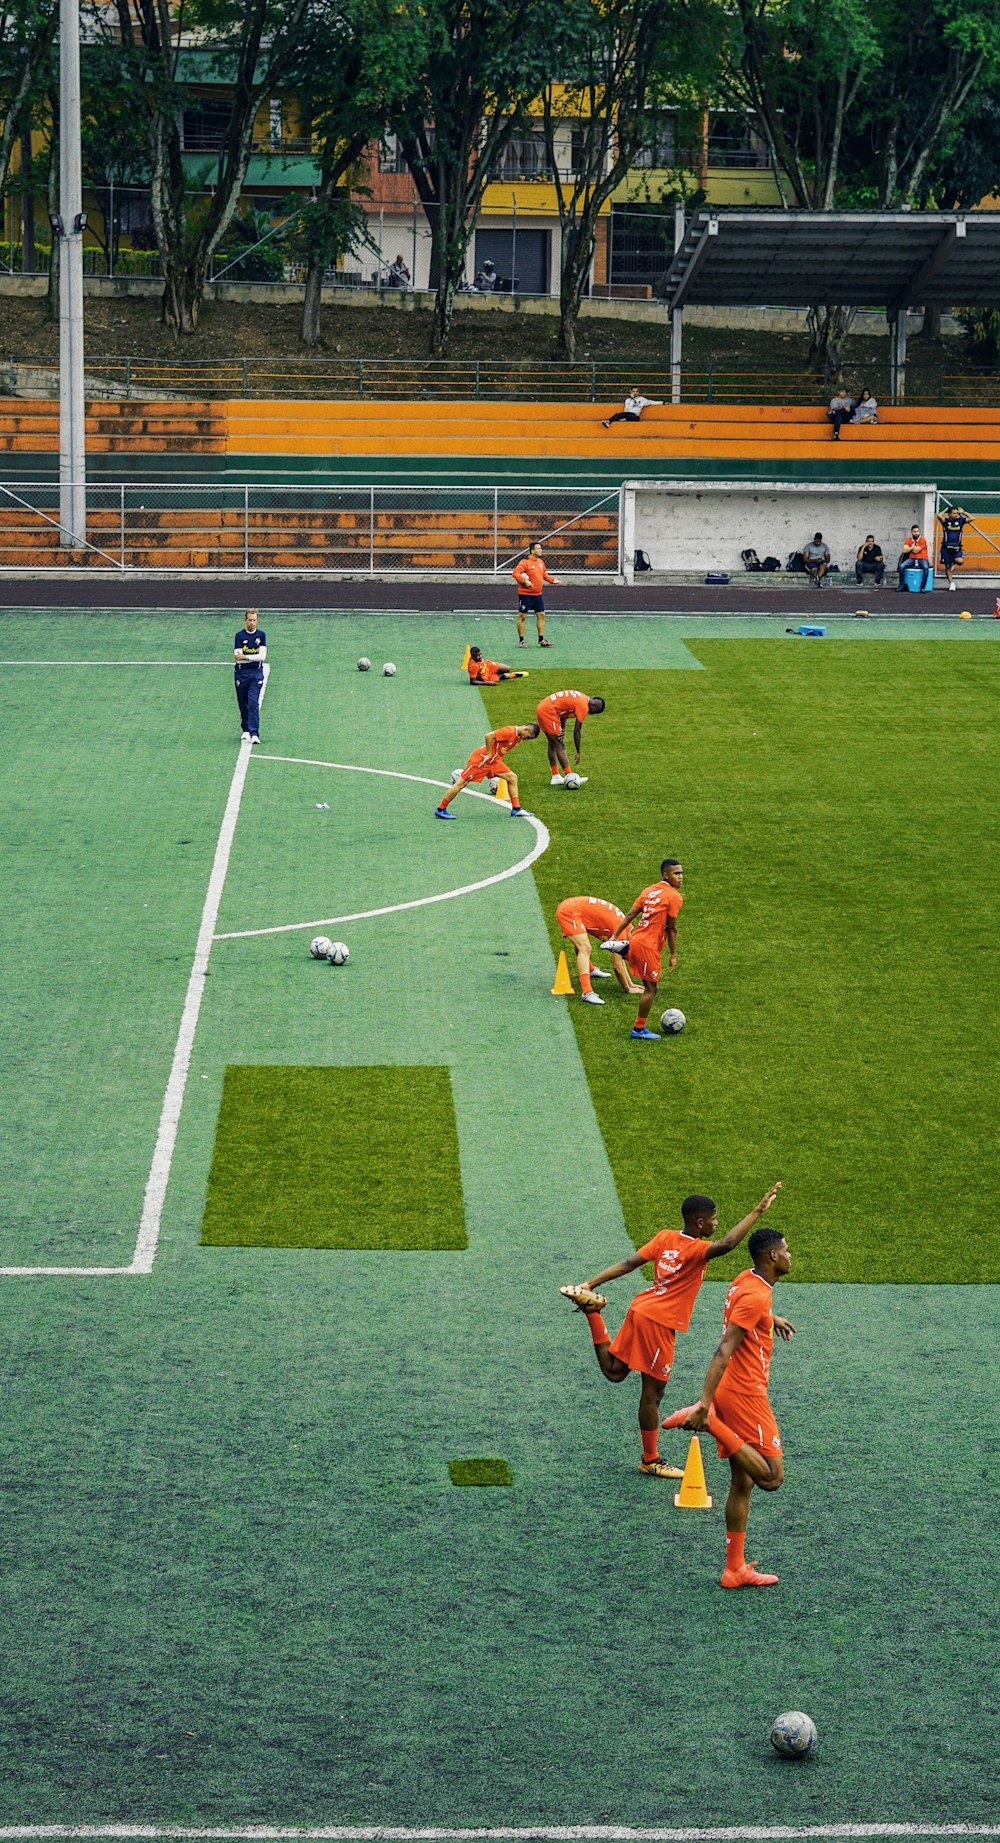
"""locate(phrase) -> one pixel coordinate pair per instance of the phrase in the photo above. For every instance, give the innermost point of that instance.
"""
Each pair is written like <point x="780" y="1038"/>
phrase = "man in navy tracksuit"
<point x="249" y="654"/>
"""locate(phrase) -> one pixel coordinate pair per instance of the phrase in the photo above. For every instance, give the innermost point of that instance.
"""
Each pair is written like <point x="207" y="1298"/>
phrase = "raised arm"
<point x="726" y="1243"/>
<point x="617" y="1272"/>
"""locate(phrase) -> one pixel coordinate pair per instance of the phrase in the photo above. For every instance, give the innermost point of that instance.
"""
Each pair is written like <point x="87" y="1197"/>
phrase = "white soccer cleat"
<point x="557" y="781"/>
<point x="590" y="998"/>
<point x="597" y="972"/>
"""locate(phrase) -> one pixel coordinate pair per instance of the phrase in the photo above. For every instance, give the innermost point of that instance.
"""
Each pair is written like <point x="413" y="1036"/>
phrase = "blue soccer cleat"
<point x="441" y="812"/>
<point x="520" y="812"/>
<point x="648" y="1036"/>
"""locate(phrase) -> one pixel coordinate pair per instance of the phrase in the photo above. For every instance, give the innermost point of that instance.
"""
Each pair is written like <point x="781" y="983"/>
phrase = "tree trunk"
<point x="312" y="302"/>
<point x="828" y="328"/>
<point x="444" y="302"/>
<point x="183" y="291"/>
<point x="931" y="328"/>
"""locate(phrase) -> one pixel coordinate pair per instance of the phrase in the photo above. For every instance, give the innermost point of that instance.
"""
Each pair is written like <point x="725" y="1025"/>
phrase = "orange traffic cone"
<point x="466" y="656"/>
<point x="693" y="1494"/>
<point x="563" y="987"/>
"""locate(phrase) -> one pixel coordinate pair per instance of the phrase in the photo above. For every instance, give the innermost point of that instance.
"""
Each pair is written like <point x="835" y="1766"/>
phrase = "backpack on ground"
<point x="751" y="561"/>
<point x="796" y="562"/>
<point x="771" y="563"/>
<point x="640" y="562"/>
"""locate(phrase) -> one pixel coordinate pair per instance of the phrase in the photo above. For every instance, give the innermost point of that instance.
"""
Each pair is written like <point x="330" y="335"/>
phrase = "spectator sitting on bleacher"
<point x="634" y="406"/>
<point x="841" y="410"/>
<point x="866" y="408"/>
<point x="870" y="562"/>
<point x="816" y="558"/>
<point x="914" y="555"/>
<point x="486" y="278"/>
<point x="399" y="274"/>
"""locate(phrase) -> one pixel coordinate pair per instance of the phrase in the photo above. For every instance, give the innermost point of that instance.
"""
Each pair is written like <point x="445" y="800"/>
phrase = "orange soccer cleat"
<point x="746" y="1576"/>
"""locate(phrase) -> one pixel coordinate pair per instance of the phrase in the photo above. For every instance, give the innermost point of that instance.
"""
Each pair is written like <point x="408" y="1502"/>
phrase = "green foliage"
<point x="981" y="326"/>
<point x="335" y="1158"/>
<point x="480" y="1472"/>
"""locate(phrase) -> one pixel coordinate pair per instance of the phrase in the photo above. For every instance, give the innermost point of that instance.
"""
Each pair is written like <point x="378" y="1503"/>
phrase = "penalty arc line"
<point x="394" y="908"/>
<point x="173" y="1099"/>
<point x="537" y="1833"/>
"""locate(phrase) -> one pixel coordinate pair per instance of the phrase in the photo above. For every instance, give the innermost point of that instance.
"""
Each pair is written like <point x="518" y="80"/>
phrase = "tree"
<point x="952" y="55"/>
<point x="27" y="31"/>
<point x="615" y="58"/>
<point x="459" y="115"/>
<point x="251" y="47"/>
<point x="114" y="146"/>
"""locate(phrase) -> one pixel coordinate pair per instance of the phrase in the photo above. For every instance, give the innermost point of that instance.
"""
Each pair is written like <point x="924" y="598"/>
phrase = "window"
<point x="274" y="123"/>
<point x="734" y="141"/>
<point x="390" y="155"/>
<point x="524" y="157"/>
<point x="658" y="145"/>
<point x="206" y="124"/>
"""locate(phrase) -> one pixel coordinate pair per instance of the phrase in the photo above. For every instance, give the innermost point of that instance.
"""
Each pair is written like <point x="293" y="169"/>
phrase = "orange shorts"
<point x="751" y="1416"/>
<point x="551" y="724"/>
<point x="480" y="766"/>
<point x="643" y="961"/>
<point x="570" y="921"/>
<point x="645" y="1345"/>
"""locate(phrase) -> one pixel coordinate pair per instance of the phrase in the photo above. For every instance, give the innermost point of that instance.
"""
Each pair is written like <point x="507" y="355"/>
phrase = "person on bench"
<point x="634" y="406"/>
<point x="914" y="556"/>
<point x="841" y="410"/>
<point x="869" y="562"/>
<point x="816" y="558"/>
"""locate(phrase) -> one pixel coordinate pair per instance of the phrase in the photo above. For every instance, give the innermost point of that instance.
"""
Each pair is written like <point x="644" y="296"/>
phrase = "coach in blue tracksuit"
<point x="249" y="654"/>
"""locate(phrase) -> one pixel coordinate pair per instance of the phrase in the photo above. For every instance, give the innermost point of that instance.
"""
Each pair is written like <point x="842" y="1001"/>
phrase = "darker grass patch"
<point x="480" y="1472"/>
<point x="335" y="1158"/>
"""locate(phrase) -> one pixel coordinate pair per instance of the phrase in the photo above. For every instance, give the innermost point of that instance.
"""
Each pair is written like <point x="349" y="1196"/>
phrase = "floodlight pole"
<point x="69" y="228"/>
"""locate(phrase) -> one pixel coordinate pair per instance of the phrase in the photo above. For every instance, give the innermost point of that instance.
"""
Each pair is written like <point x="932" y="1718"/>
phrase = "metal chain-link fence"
<point x="980" y="538"/>
<point x="352" y="530"/>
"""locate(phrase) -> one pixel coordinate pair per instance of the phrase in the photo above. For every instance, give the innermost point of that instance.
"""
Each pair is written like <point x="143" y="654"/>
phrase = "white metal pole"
<point x="69" y="230"/>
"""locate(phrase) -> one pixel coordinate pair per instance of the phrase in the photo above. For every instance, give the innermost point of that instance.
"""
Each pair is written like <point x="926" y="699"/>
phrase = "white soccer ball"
<point x="320" y="947"/>
<point x="339" y="953"/>
<point x="793" y="1735"/>
<point x="456" y="775"/>
<point x="493" y="783"/>
<point x="388" y="670"/>
<point x="672" y="1021"/>
<point x="364" y="665"/>
<point x="573" y="780"/>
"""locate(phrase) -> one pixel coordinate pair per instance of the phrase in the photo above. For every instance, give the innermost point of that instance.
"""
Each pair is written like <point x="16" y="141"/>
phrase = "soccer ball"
<point x="672" y="1021"/>
<point x="793" y="1735"/>
<point x="364" y="665"/>
<point x="573" y="780"/>
<point x="338" y="953"/>
<point x="456" y="775"/>
<point x="493" y="783"/>
<point x="388" y="670"/>
<point x="320" y="947"/>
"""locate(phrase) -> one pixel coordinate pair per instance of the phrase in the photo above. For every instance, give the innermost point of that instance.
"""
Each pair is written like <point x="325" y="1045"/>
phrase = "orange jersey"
<point x="915" y="547"/>
<point x="659" y="903"/>
<point x="530" y="574"/>
<point x="559" y="706"/>
<point x="484" y="672"/>
<point x="592" y="915"/>
<point x="489" y="759"/>
<point x="748" y="1304"/>
<point x="678" y="1273"/>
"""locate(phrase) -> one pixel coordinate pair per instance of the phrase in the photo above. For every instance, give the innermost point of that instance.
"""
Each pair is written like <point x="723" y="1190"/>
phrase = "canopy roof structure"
<point x="895" y="259"/>
<point x="774" y="258"/>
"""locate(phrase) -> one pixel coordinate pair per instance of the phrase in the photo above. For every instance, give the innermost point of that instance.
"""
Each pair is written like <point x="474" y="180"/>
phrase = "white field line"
<point x="5" y="663"/>
<point x="393" y="908"/>
<point x="170" y="1112"/>
<point x="543" y="1833"/>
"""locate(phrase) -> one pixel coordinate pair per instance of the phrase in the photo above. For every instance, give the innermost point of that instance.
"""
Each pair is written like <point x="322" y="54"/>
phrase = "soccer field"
<point x="238" y="1586"/>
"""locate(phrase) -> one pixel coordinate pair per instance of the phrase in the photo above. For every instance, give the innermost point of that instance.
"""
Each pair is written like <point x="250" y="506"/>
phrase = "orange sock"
<point x="735" y="1540"/>
<point x="640" y="1023"/>
<point x="598" y="1329"/>
<point x="650" y="1443"/>
<point x="585" y="981"/>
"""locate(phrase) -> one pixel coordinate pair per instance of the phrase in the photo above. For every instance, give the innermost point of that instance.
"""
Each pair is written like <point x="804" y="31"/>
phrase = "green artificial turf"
<point x="834" y="808"/>
<point x="480" y="1472"/>
<point x="335" y="1158"/>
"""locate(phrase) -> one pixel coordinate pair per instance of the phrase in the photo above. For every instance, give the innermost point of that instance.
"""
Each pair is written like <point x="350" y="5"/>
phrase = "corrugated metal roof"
<point x="774" y="258"/>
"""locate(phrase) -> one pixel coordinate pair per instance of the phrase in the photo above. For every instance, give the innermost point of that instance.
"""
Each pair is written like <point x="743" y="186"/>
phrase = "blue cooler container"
<point x="910" y="579"/>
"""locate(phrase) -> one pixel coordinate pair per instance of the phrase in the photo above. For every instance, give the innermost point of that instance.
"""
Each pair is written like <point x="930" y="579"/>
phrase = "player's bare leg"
<point x="650" y="1402"/>
<point x="540" y="627"/>
<point x="641" y="1027"/>
<point x="558" y="759"/>
<point x="446" y="799"/>
<point x="521" y="614"/>
<point x="746" y="1468"/>
<point x="516" y="809"/>
<point x="584" y="969"/>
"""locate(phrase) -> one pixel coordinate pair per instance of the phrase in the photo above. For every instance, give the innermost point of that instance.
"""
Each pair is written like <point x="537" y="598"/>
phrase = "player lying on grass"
<point x="581" y="917"/>
<point x="489" y="671"/>
<point x="553" y="714"/>
<point x="488" y="761"/>
<point x="646" y="1339"/>
<point x="654" y="911"/>
<point x="734" y="1404"/>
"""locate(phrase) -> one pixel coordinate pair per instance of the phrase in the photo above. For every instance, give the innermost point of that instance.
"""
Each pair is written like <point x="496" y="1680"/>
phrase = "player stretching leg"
<point x="646" y="1339"/>
<point x="553" y="714"/>
<point x="488" y="761"/>
<point x="734" y="1404"/>
<point x="579" y="917"/>
<point x="489" y="671"/>
<point x="657" y="909"/>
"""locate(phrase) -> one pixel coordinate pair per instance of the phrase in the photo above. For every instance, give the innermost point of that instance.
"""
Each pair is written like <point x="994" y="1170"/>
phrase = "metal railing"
<point x="387" y="380"/>
<point x="353" y="531"/>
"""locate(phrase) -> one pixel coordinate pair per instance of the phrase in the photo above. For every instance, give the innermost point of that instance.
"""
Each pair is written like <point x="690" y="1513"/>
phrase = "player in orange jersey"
<point x="654" y="912"/>
<point x="530" y="575"/>
<point x="579" y="917"/>
<point x="646" y="1339"/>
<point x="488" y="761"/>
<point x="734" y="1404"/>
<point x="553" y="714"/>
<point x="489" y="671"/>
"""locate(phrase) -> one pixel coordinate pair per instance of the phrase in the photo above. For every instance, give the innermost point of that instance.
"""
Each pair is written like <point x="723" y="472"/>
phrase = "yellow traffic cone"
<point x="502" y="793"/>
<point x="465" y="659"/>
<point x="563" y="987"/>
<point x="693" y="1494"/>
